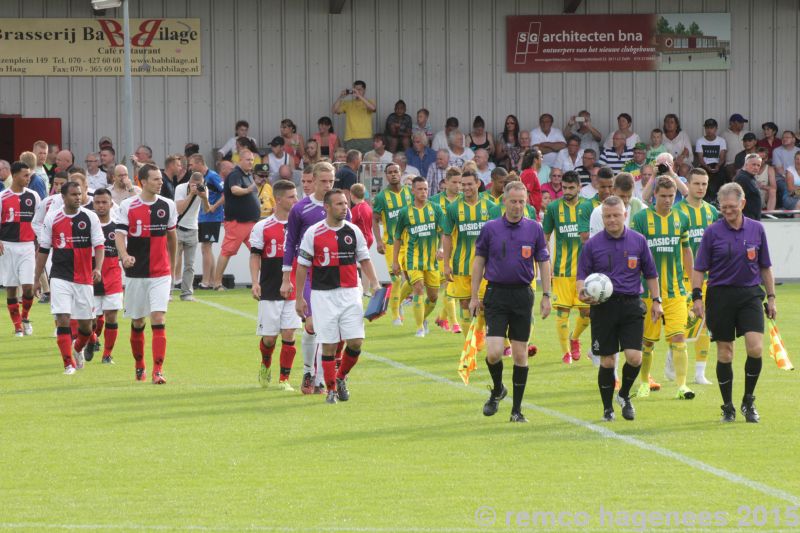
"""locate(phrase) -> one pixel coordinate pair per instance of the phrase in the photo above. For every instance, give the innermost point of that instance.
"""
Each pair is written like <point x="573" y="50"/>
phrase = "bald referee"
<point x="618" y="323"/>
<point x="735" y="254"/>
<point x="505" y="252"/>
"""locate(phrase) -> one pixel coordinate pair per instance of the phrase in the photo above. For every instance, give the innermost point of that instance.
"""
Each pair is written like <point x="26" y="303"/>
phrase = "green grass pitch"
<point x="411" y="450"/>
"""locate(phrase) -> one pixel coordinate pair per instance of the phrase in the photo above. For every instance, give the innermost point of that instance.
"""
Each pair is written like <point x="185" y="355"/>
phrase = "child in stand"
<point x="656" y="145"/>
<point x="422" y="124"/>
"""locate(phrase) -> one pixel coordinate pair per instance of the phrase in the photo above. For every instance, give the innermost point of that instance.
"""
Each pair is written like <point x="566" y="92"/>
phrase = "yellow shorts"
<point x="388" y="255"/>
<point x="564" y="293"/>
<point x="461" y="288"/>
<point x="429" y="277"/>
<point x="674" y="322"/>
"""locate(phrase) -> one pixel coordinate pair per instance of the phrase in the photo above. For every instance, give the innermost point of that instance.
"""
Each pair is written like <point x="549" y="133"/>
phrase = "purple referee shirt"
<point x="733" y="257"/>
<point x="510" y="250"/>
<point x="302" y="216"/>
<point x="624" y="260"/>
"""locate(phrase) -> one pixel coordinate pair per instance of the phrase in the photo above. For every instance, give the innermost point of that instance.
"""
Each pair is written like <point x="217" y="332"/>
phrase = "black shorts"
<point x="208" y="231"/>
<point x="733" y="311"/>
<point x="508" y="310"/>
<point x="617" y="324"/>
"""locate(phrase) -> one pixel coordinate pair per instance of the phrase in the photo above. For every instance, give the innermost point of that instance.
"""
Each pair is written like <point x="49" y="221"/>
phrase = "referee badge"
<point x="751" y="253"/>
<point x="633" y="262"/>
<point x="526" y="252"/>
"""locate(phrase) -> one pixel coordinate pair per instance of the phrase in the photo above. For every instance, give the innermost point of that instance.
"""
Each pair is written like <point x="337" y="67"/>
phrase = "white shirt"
<point x="189" y="220"/>
<point x="386" y="158"/>
<point x="630" y="142"/>
<point x="565" y="162"/>
<point x="459" y="160"/>
<point x="677" y="145"/>
<point x="555" y="136"/>
<point x="709" y="151"/>
<point x="588" y="191"/>
<point x="735" y="144"/>
<point x="596" y="220"/>
<point x="230" y="145"/>
<point x="411" y="171"/>
<point x="781" y="157"/>
<point x="98" y="180"/>
<point x="486" y="175"/>
<point x="440" y="141"/>
<point x="275" y="163"/>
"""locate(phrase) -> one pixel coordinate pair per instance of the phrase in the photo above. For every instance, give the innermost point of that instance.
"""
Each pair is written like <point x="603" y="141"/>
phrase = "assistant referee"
<point x="735" y="254"/>
<point x="618" y="323"/>
<point x="505" y="251"/>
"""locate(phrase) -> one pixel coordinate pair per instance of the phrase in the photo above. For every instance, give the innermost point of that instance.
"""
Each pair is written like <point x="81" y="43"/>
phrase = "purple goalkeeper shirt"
<point x="510" y="249"/>
<point x="303" y="215"/>
<point x="733" y="257"/>
<point x="624" y="260"/>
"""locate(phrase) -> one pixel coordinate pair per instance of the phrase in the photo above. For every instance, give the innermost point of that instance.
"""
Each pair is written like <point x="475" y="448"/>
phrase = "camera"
<point x="348" y="91"/>
<point x="662" y="169"/>
<point x="580" y="120"/>
<point x="201" y="187"/>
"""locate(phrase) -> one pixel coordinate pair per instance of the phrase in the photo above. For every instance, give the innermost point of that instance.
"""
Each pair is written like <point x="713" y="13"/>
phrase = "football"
<point x="598" y="286"/>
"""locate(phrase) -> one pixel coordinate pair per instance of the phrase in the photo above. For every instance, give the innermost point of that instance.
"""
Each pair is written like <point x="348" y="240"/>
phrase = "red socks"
<point x="73" y="326"/>
<point x="329" y="371"/>
<point x="288" y="352"/>
<point x="137" y="345"/>
<point x="98" y="325"/>
<point x="159" y="346"/>
<point x="349" y="360"/>
<point x="110" y="338"/>
<point x="266" y="353"/>
<point x="64" y="341"/>
<point x="83" y="338"/>
<point x="27" y="303"/>
<point x="339" y="348"/>
<point x="13" y="310"/>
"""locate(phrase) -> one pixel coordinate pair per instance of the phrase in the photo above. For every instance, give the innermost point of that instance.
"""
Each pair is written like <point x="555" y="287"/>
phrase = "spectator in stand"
<point x="770" y="140"/>
<point x="749" y="142"/>
<point x="122" y="187"/>
<point x="634" y="167"/>
<point x="656" y="147"/>
<point x="746" y="178"/>
<point x="531" y="162"/>
<point x="286" y="173"/>
<point x="242" y="211"/>
<point x="665" y="166"/>
<point x="326" y="139"/>
<point x="483" y="168"/>
<point x="50" y="162"/>
<point x="710" y="155"/>
<point x="401" y="160"/>
<point x="459" y="154"/>
<point x="524" y="145"/>
<point x="173" y="171"/>
<point x="766" y="181"/>
<point x="569" y="157"/>
<point x="625" y="127"/>
<point x="479" y="138"/>
<point x="97" y="178"/>
<point x="361" y="212"/>
<point x="40" y="149"/>
<point x="190" y="199"/>
<point x="293" y="142"/>
<point x="676" y="141"/>
<point x="311" y="154"/>
<point x="507" y="150"/>
<point x="224" y="168"/>
<point x="379" y="150"/>
<point x="37" y="183"/>
<point x="266" y="198"/>
<point x="210" y="220"/>
<point x="783" y="156"/>
<point x="246" y="143"/>
<point x="588" y="160"/>
<point x="437" y="171"/>
<point x="420" y="155"/>
<point x="616" y="156"/>
<point x="277" y="157"/>
<point x="5" y="174"/>
<point x="242" y="129"/>
<point x="340" y="156"/>
<point x="792" y="177"/>
<point x="547" y="139"/>
<point x="108" y="160"/>
<point x="422" y="124"/>
<point x="589" y="135"/>
<point x="734" y="140"/>
<point x="592" y="188"/>
<point x="141" y="156"/>
<point x="358" y="112"/>
<point x="553" y="188"/>
<point x="440" y="140"/>
<point x="397" y="133"/>
<point x="347" y="175"/>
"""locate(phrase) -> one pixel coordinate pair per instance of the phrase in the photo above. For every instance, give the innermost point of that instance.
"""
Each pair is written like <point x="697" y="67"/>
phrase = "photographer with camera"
<point x="189" y="197"/>
<point x="665" y="167"/>
<point x="265" y="195"/>
<point x="358" y="111"/>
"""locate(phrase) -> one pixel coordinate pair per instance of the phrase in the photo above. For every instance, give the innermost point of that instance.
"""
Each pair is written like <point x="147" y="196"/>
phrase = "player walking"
<point x="447" y="319"/>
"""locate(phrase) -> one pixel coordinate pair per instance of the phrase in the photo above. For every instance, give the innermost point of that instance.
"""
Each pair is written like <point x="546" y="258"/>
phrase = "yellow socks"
<point x="450" y="310"/>
<point x="562" y="329"/>
<point x="405" y="289"/>
<point x="701" y="346"/>
<point x="580" y="326"/>
<point x="647" y="363"/>
<point x="419" y="310"/>
<point x="394" y="299"/>
<point x="680" y="359"/>
<point x="429" y="306"/>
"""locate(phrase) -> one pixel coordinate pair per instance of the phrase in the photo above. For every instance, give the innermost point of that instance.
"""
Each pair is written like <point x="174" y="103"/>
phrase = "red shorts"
<point x="236" y="233"/>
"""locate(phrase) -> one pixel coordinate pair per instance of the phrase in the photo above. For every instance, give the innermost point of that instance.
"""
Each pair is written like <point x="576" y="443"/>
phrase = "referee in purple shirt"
<point x="735" y="254"/>
<point x="504" y="254"/>
<point x="618" y="323"/>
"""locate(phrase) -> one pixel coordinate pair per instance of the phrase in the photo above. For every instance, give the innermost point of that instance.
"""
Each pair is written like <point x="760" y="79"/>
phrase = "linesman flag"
<point x="777" y="350"/>
<point x="468" y="362"/>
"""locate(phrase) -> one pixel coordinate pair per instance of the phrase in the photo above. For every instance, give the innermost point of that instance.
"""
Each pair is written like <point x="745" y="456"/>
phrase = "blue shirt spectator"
<point x="215" y="188"/>
<point x="420" y="155"/>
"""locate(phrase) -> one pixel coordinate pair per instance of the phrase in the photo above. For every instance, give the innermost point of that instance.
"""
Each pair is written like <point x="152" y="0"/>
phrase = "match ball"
<point x="598" y="286"/>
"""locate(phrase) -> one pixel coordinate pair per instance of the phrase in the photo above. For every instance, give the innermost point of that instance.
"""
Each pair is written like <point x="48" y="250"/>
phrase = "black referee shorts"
<point x="508" y="311"/>
<point x="617" y="324"/>
<point x="733" y="311"/>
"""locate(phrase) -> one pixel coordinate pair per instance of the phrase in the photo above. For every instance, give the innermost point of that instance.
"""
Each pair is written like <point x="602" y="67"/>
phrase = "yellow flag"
<point x="777" y="350"/>
<point x="468" y="362"/>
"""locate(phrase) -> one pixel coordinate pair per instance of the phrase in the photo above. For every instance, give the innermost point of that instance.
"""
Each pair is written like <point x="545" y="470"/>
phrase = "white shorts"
<point x="17" y="264"/>
<point x="73" y="299"/>
<point x="107" y="302"/>
<point x="146" y="295"/>
<point x="338" y="315"/>
<point x="275" y="315"/>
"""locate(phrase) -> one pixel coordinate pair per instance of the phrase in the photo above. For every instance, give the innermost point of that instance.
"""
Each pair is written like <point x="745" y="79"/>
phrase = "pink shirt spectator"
<point x="554" y="195"/>
<point x="331" y="144"/>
